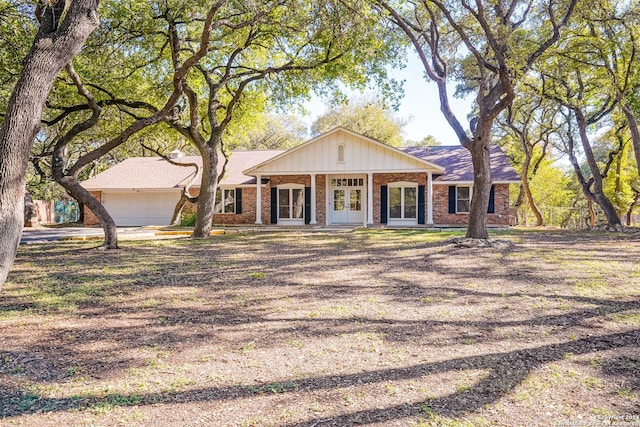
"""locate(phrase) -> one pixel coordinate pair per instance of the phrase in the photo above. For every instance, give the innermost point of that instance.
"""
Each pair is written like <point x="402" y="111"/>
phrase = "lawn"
<point x="372" y="327"/>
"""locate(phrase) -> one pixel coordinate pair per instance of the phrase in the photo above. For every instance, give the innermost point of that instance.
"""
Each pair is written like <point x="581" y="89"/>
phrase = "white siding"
<point x="141" y="208"/>
<point x="361" y="155"/>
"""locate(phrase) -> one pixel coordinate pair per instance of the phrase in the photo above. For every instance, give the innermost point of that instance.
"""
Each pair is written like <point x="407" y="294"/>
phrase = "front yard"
<point x="374" y="327"/>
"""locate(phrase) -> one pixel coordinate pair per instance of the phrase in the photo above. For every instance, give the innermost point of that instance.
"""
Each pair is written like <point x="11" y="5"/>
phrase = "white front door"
<point x="346" y="200"/>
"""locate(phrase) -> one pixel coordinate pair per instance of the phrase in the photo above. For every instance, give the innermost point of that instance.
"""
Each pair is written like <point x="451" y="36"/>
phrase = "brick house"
<point x="339" y="177"/>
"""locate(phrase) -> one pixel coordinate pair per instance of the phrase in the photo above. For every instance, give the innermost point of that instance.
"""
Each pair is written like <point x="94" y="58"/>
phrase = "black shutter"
<point x="421" y="204"/>
<point x="492" y="201"/>
<point x="238" y="200"/>
<point x="274" y="206"/>
<point x="383" y="204"/>
<point x="452" y="199"/>
<point x="307" y="205"/>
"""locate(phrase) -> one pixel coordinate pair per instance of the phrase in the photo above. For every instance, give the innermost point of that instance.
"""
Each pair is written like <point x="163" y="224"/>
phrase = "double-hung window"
<point x="403" y="201"/>
<point x="225" y="201"/>
<point x="463" y="199"/>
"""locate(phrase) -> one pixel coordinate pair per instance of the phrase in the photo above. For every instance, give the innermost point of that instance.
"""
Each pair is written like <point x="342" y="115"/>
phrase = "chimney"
<point x="176" y="154"/>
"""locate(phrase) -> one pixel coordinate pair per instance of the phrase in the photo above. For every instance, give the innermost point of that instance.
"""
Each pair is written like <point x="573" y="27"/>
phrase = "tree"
<point x="501" y="40"/>
<point x="60" y="37"/>
<point x="282" y="49"/>
<point x="613" y="39"/>
<point x="367" y="116"/>
<point x="591" y="184"/>
<point x="267" y="131"/>
<point x="67" y="172"/>
<point x="530" y="120"/>
<point x="427" y="141"/>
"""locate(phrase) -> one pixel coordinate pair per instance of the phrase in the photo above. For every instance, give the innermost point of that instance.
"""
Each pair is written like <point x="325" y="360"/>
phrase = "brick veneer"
<point x="441" y="215"/>
<point x="89" y="218"/>
<point x="248" y="215"/>
<point x="321" y="194"/>
<point x="380" y="179"/>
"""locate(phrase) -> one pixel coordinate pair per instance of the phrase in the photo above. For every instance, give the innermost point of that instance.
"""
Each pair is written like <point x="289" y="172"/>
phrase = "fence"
<point x="557" y="216"/>
<point x="567" y="217"/>
<point x="57" y="212"/>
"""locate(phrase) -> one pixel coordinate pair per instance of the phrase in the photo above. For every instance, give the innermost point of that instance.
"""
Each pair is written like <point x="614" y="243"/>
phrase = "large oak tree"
<point x="488" y="46"/>
<point x="60" y="37"/>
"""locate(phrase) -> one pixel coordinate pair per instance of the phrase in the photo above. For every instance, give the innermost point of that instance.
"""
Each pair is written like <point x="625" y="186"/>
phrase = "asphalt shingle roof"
<point x="156" y="173"/>
<point x="456" y="161"/>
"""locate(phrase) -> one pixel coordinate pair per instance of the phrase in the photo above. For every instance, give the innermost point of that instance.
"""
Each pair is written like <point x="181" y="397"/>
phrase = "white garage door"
<point x="141" y="208"/>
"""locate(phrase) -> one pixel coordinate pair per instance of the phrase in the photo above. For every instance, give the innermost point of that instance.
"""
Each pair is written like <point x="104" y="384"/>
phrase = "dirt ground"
<point x="373" y="327"/>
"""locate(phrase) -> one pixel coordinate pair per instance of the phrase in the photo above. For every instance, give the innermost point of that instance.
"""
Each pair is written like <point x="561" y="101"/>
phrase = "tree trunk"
<point x="592" y="213"/>
<point x="30" y="214"/>
<point x="177" y="211"/>
<point x="597" y="195"/>
<point x="208" y="187"/>
<point x="84" y="197"/>
<point x="518" y="205"/>
<point x="480" y="150"/>
<point x="54" y="46"/>
<point x="636" y="201"/>
<point x="635" y="132"/>
<point x="527" y="191"/>
<point x="618" y="183"/>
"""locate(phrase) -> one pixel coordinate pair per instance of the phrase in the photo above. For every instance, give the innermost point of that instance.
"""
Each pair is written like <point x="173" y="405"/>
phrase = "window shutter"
<point x="452" y="199"/>
<point x="274" y="206"/>
<point x="238" y="200"/>
<point x="383" y="204"/>
<point x="421" y="204"/>
<point x="492" y="201"/>
<point x="307" y="205"/>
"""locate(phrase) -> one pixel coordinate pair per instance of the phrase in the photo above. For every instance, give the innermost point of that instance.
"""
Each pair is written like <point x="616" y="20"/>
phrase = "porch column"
<point x="429" y="198"/>
<point x="313" y="200"/>
<point x="370" y="198"/>
<point x="258" y="199"/>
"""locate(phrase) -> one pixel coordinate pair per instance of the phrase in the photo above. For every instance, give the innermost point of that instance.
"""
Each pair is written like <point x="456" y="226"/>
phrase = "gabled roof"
<point x="155" y="173"/>
<point x="276" y="164"/>
<point x="450" y="163"/>
<point x="456" y="161"/>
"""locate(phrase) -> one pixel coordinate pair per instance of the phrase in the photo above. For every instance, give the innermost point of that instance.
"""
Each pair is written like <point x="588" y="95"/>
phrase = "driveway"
<point x="44" y="234"/>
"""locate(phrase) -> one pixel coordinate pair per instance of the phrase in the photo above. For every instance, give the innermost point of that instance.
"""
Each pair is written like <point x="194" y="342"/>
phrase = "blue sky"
<point x="420" y="104"/>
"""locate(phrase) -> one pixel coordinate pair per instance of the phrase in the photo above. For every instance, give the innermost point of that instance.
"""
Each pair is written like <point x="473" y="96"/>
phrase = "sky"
<point x="420" y="105"/>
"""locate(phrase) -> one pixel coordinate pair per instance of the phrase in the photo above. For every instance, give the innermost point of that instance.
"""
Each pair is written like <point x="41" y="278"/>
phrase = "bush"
<point x="188" y="220"/>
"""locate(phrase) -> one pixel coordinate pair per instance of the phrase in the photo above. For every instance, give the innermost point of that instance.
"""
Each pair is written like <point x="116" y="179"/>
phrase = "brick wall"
<point x="321" y="194"/>
<point x="89" y="218"/>
<point x="248" y="215"/>
<point x="441" y="215"/>
<point x="321" y="199"/>
<point x="380" y="179"/>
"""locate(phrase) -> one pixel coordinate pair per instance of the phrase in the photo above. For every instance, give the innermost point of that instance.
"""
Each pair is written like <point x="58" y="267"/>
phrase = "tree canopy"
<point x="368" y="116"/>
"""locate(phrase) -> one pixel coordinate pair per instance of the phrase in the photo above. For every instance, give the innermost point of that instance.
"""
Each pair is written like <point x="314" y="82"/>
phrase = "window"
<point x="463" y="199"/>
<point x="290" y="203"/>
<point x="347" y="182"/>
<point x="341" y="153"/>
<point x="225" y="201"/>
<point x="403" y="201"/>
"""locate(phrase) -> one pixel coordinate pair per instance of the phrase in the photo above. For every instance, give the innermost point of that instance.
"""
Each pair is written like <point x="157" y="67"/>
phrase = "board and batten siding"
<point x="360" y="155"/>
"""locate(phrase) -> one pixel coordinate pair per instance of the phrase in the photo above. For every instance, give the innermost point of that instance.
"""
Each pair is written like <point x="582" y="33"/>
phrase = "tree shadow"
<point x="239" y="283"/>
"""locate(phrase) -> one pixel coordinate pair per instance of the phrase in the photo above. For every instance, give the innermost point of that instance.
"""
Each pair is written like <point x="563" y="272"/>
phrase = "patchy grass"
<point x="374" y="327"/>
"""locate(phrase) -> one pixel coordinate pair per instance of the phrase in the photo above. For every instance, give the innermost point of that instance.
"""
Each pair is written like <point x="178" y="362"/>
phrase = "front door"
<point x="347" y="200"/>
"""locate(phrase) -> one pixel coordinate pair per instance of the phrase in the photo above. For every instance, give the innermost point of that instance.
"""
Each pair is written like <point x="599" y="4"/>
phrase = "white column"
<point x="313" y="200"/>
<point x="258" y="199"/>
<point x="370" y="198"/>
<point x="429" y="198"/>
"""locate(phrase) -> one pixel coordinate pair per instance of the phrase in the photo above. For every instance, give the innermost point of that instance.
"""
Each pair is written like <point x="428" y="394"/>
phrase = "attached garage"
<point x="135" y="208"/>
